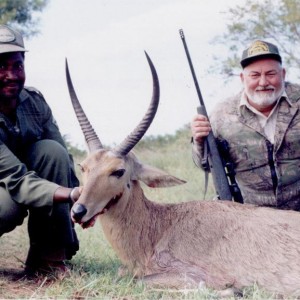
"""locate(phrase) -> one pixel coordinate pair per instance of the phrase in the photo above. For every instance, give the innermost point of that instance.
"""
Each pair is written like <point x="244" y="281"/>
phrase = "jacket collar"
<point x="286" y="111"/>
<point x="23" y="95"/>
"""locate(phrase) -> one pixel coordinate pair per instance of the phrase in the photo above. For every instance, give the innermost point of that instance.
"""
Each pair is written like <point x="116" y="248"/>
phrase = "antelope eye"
<point x="118" y="173"/>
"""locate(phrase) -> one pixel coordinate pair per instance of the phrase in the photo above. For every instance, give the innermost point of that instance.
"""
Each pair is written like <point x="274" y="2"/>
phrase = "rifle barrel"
<point x="191" y="67"/>
<point x="216" y="165"/>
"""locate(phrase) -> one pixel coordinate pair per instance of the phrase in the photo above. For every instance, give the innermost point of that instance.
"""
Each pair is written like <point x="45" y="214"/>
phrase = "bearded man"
<point x="261" y="126"/>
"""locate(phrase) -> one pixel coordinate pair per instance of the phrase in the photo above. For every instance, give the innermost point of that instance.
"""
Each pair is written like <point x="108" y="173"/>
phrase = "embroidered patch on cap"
<point x="258" y="47"/>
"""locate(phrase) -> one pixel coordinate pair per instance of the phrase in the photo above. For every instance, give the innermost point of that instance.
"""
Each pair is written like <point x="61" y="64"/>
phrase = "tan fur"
<point x="218" y="244"/>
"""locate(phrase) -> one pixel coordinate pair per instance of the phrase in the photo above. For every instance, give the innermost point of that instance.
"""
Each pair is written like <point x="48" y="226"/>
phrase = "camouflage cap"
<point x="258" y="50"/>
<point x="10" y="40"/>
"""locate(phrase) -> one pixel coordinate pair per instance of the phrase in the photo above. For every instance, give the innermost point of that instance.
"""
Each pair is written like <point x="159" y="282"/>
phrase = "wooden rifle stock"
<point x="216" y="166"/>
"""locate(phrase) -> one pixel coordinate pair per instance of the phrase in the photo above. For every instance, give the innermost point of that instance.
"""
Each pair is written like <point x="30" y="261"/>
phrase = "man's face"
<point x="12" y="75"/>
<point x="263" y="82"/>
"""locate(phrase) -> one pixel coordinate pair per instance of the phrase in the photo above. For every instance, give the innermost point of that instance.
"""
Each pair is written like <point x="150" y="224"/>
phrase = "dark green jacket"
<point x="34" y="122"/>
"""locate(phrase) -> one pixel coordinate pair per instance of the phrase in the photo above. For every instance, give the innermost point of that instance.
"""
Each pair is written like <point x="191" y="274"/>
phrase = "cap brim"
<point x="247" y="61"/>
<point x="11" y="48"/>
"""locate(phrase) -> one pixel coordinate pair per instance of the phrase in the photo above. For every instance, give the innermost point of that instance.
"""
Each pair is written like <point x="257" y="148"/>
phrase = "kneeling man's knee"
<point x="12" y="214"/>
<point x="50" y="160"/>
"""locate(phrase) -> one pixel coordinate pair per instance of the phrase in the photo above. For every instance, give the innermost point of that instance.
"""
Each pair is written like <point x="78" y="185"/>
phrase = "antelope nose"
<point x="78" y="211"/>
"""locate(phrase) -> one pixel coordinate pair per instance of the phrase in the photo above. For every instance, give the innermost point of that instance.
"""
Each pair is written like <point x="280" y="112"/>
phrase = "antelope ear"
<point x="154" y="177"/>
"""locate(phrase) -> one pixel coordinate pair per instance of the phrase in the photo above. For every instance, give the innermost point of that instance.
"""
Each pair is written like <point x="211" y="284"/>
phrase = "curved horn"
<point x="91" y="138"/>
<point x="134" y="137"/>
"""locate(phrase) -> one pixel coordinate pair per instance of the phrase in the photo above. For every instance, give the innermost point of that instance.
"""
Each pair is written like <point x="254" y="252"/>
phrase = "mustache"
<point x="264" y="88"/>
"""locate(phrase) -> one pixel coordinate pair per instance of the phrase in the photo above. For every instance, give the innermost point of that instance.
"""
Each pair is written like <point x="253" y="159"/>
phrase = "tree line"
<point x="276" y="20"/>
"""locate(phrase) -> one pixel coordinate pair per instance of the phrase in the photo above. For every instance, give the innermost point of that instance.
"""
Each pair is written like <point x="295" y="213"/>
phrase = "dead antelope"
<point x="218" y="244"/>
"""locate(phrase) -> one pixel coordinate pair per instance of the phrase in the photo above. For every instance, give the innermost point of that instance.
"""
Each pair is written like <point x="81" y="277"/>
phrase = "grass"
<point x="94" y="273"/>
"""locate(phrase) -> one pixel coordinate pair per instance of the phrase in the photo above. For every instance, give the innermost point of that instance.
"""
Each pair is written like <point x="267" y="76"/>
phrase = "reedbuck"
<point x="218" y="244"/>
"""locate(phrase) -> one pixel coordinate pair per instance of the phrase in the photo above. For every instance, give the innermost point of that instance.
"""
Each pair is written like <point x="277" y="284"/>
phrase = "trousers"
<point x="52" y="236"/>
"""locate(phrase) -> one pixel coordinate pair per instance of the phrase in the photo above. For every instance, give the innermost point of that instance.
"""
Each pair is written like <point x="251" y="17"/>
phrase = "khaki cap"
<point x="258" y="50"/>
<point x="10" y="40"/>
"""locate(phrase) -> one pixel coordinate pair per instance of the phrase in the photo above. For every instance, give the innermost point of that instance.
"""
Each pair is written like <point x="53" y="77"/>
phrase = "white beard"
<point x="264" y="99"/>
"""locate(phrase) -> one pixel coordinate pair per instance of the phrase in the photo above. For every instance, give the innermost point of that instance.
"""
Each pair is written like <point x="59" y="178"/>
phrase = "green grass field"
<point x="94" y="273"/>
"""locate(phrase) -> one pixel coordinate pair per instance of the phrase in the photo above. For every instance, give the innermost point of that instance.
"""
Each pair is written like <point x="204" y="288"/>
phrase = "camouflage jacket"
<point x="267" y="174"/>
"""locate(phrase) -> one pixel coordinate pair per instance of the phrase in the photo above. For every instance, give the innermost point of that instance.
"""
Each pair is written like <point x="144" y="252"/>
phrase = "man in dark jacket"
<point x="36" y="172"/>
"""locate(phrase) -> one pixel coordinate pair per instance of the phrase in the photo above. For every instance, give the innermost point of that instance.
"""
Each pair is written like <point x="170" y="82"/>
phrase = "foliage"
<point x="277" y="21"/>
<point x="151" y="142"/>
<point x="22" y="14"/>
<point x="73" y="149"/>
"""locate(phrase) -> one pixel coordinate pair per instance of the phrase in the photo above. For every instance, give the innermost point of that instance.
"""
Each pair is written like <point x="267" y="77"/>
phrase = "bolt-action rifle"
<point x="216" y="163"/>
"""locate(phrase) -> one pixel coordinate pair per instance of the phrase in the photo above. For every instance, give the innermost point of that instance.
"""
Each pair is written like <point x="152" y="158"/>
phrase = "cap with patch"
<point x="259" y="50"/>
<point x="10" y="40"/>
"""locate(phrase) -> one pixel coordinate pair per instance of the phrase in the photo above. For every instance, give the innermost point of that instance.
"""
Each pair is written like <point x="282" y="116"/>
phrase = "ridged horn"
<point x="91" y="138"/>
<point x="134" y="137"/>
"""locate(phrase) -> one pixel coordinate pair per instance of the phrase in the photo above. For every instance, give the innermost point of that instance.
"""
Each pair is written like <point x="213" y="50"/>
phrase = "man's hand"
<point x="75" y="194"/>
<point x="200" y="128"/>
<point x="63" y="194"/>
